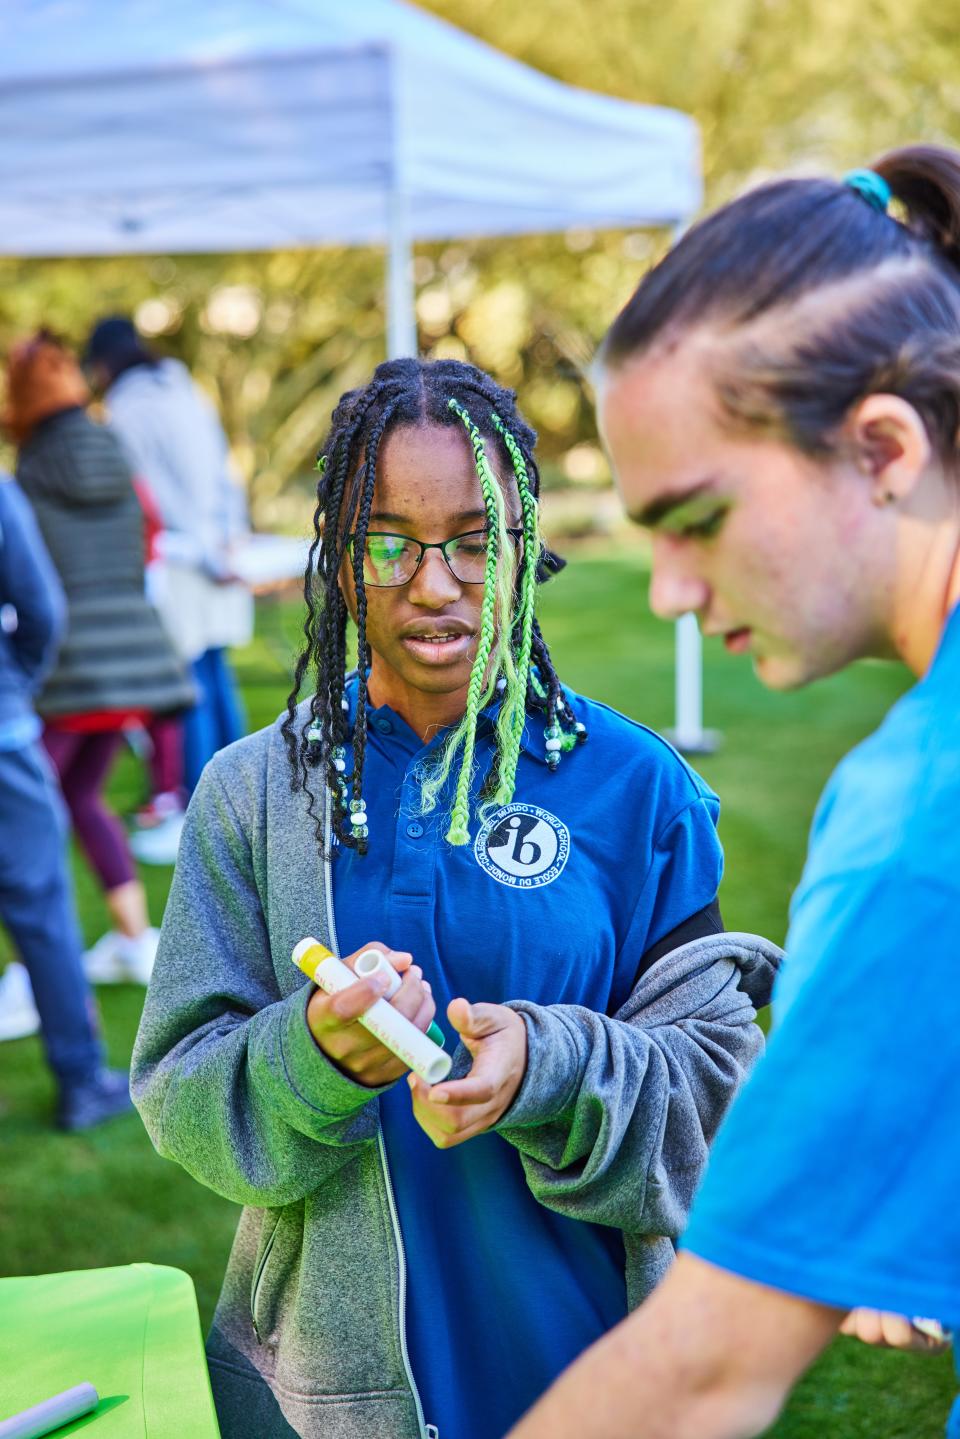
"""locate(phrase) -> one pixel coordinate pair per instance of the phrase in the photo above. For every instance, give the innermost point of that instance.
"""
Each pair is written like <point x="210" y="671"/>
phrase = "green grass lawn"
<point x="76" y="1202"/>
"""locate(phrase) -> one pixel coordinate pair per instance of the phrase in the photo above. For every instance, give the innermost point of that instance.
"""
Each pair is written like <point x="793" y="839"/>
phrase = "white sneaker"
<point x="158" y="845"/>
<point x="18" y="1013"/>
<point x="101" y="962"/>
<point x="137" y="955"/>
<point x="118" y="959"/>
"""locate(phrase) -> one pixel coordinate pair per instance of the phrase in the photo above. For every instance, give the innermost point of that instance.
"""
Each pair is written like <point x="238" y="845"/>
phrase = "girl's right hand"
<point x="333" y="1019"/>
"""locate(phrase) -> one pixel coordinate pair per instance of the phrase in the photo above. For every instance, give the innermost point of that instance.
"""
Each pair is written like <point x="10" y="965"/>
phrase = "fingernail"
<point x="442" y="1098"/>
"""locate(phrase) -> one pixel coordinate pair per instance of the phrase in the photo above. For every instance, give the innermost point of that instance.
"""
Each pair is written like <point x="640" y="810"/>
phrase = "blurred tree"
<point x="774" y="84"/>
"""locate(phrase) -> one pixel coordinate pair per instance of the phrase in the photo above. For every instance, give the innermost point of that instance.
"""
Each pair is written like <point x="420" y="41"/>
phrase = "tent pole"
<point x="401" y="312"/>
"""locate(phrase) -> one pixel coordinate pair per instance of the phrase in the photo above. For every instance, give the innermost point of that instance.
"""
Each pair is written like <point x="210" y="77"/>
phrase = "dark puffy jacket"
<point x="115" y="654"/>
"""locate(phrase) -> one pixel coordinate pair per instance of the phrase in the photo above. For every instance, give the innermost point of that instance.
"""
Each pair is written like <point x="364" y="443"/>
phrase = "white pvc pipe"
<point x="374" y="961"/>
<point x="51" y="1413"/>
<point x="392" y="1028"/>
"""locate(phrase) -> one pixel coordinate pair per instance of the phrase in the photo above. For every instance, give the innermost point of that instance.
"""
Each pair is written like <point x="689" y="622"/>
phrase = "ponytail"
<point x="925" y="180"/>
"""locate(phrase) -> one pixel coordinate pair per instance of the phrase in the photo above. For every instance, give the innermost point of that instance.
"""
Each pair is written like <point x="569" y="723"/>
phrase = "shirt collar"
<point x="386" y="722"/>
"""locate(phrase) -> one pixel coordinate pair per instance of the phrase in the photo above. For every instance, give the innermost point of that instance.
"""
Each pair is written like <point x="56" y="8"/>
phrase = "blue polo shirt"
<point x="836" y="1175"/>
<point x="556" y="900"/>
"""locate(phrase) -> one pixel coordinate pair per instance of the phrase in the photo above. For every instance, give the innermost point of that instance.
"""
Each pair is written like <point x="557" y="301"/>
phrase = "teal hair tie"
<point x="870" y="187"/>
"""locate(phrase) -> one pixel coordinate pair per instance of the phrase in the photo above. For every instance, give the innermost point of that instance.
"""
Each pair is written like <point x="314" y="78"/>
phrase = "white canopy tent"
<point x="160" y="126"/>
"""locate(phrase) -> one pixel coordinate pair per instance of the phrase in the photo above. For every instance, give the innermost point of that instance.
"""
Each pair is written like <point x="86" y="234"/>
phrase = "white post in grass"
<point x="688" y="733"/>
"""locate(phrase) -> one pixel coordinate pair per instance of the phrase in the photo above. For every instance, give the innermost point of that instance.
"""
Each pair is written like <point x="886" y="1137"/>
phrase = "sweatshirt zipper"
<point x="258" y="1280"/>
<point x="423" y="1430"/>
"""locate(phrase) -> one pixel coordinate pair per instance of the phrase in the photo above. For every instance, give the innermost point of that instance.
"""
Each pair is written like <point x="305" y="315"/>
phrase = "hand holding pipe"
<point x="394" y="1031"/>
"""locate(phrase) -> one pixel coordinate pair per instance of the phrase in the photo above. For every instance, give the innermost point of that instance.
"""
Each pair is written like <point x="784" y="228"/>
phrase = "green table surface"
<point x="132" y="1332"/>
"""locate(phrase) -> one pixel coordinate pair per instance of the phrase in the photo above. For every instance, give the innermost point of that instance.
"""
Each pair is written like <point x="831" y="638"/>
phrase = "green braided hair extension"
<point x="514" y="625"/>
<point x="483" y="675"/>
<point x="501" y="662"/>
<point x="513" y="710"/>
<point x="501" y="667"/>
<point x="502" y="671"/>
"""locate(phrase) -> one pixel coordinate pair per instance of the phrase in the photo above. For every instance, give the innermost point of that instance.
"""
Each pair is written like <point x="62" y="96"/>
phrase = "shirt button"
<point x="381" y="723"/>
<point x="414" y="830"/>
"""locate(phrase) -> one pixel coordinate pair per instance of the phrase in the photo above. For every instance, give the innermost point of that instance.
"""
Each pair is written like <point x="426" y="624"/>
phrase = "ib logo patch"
<point x="523" y="846"/>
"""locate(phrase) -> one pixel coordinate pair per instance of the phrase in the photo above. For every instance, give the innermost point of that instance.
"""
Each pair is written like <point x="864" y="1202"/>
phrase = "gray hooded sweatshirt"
<point x="612" y="1120"/>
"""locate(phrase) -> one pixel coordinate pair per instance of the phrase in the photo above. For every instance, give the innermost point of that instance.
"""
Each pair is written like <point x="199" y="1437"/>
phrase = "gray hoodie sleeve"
<point x="225" y="1073"/>
<point x="614" y="1116"/>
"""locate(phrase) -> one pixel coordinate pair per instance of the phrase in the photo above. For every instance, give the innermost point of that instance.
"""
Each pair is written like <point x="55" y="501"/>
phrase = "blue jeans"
<point x="36" y="905"/>
<point x="215" y="720"/>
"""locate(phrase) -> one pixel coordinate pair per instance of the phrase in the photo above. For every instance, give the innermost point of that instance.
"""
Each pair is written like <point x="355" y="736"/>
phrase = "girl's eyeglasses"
<point x="394" y="559"/>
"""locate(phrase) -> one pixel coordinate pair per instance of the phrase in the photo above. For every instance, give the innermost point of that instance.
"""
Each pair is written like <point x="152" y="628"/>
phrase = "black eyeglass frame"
<point x="441" y="545"/>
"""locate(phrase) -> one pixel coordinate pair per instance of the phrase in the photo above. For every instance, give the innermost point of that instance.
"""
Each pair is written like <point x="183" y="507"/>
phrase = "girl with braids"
<point x="781" y="400"/>
<point x="416" y="1261"/>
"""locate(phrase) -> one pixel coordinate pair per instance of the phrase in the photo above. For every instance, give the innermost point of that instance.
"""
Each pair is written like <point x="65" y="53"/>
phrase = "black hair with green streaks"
<point x="515" y="662"/>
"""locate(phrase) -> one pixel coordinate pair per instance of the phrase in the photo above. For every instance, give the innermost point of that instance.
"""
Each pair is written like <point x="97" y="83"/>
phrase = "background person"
<point x="116" y="665"/>
<point x="158" y="822"/>
<point x="176" y="445"/>
<point x="479" y="1234"/>
<point x="46" y="988"/>
<point x="781" y="399"/>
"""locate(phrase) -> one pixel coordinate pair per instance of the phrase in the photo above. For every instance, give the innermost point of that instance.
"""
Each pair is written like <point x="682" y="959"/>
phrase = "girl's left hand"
<point x="890" y="1331"/>
<point x="455" y="1110"/>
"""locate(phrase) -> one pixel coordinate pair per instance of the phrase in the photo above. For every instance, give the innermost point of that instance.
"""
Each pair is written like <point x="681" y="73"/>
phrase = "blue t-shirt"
<point x="555" y="900"/>
<point x="836" y="1175"/>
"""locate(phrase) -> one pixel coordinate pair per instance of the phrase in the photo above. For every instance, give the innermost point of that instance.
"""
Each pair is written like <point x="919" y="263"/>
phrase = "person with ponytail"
<point x="781" y="402"/>
<point x="116" y="667"/>
<point x="542" y="872"/>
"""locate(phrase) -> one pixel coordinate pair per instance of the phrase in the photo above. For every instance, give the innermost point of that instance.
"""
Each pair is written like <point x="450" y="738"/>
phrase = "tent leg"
<point x="688" y="734"/>
<point x="401" y="312"/>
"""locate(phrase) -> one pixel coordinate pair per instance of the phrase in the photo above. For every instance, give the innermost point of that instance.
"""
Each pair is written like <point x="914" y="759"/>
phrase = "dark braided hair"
<point x="512" y="657"/>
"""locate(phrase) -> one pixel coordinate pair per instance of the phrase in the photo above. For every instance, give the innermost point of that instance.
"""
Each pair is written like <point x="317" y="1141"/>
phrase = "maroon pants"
<point x="166" y="764"/>
<point x="83" y="762"/>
